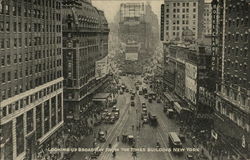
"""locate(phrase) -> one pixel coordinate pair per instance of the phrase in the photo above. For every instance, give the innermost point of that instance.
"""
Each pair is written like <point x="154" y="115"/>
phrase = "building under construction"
<point x="138" y="35"/>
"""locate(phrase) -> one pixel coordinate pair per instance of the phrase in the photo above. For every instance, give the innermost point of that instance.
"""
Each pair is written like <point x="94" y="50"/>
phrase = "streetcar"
<point x="175" y="142"/>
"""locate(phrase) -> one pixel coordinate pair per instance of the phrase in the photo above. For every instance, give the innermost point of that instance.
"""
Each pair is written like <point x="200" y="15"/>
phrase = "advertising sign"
<point x="191" y="82"/>
<point x="214" y="33"/>
<point x="101" y="68"/>
<point x="131" y="56"/>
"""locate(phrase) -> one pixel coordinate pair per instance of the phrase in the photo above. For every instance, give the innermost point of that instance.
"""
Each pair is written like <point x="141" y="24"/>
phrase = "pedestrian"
<point x="117" y="138"/>
<point x="132" y="127"/>
<point x="106" y="132"/>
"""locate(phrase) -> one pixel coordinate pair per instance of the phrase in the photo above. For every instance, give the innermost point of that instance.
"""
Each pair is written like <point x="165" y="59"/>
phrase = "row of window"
<point x="236" y="65"/>
<point x="10" y="92"/>
<point x="179" y="15"/>
<point x="241" y="52"/>
<point x="238" y="22"/>
<point x="6" y="77"/>
<point x="183" y="4"/>
<point x="18" y="58"/>
<point x="5" y="42"/>
<point x="37" y="27"/>
<point x="234" y="79"/>
<point x="238" y="37"/>
<point x="5" y="6"/>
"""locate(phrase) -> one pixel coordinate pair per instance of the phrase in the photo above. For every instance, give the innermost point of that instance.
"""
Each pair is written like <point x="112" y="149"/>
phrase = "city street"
<point x="145" y="135"/>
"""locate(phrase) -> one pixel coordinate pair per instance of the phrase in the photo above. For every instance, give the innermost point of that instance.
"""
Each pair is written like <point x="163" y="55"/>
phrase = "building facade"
<point x="85" y="44"/>
<point x="233" y="89"/>
<point x="138" y="24"/>
<point x="31" y="96"/>
<point x="180" y="16"/>
<point x="207" y="30"/>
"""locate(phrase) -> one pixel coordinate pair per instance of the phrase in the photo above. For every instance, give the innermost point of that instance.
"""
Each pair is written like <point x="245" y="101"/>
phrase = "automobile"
<point x="96" y="153"/>
<point x="121" y="92"/>
<point x="150" y="100"/>
<point x="101" y="136"/>
<point x="132" y="97"/>
<point x="154" y="97"/>
<point x="144" y="120"/>
<point x="146" y="96"/>
<point x="112" y="119"/>
<point x="127" y="90"/>
<point x="114" y="108"/>
<point x="137" y="87"/>
<point x="170" y="113"/>
<point x="140" y="92"/>
<point x="189" y="157"/>
<point x="105" y="111"/>
<point x="165" y="108"/>
<point x="116" y="114"/>
<point x="143" y="104"/>
<point x="133" y="93"/>
<point x="158" y="100"/>
<point x="132" y="103"/>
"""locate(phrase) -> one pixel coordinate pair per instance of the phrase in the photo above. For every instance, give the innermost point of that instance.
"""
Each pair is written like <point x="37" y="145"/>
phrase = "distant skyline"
<point x="111" y="7"/>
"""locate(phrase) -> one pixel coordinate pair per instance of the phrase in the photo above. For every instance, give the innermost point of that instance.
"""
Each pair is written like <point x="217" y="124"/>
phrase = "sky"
<point x="111" y="7"/>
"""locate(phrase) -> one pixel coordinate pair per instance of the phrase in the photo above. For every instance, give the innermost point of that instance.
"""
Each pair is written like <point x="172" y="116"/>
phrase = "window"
<point x="8" y="76"/>
<point x="14" y="10"/>
<point x="7" y="9"/>
<point x="19" y="27"/>
<point x="1" y="26"/>
<point x="7" y="26"/>
<point x="3" y="77"/>
<point x="8" y="43"/>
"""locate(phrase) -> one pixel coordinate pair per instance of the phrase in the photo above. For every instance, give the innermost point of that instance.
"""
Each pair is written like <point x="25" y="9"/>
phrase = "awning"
<point x="177" y="107"/>
<point x="101" y="97"/>
<point x="169" y="97"/>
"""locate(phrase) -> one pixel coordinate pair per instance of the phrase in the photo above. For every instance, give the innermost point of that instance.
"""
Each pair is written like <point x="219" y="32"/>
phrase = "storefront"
<point x="102" y="99"/>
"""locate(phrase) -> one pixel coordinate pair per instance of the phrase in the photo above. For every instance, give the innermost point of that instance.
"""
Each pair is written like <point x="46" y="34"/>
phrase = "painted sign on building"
<point x="101" y="69"/>
<point x="214" y="33"/>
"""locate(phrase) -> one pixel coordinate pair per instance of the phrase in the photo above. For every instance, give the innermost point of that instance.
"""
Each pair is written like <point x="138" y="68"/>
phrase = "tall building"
<point x="138" y="26"/>
<point x="207" y="20"/>
<point x="85" y="47"/>
<point x="180" y="16"/>
<point x="233" y="89"/>
<point x="31" y="102"/>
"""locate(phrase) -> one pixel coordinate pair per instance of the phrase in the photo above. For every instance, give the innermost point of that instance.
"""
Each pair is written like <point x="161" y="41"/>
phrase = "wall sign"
<point x="214" y="34"/>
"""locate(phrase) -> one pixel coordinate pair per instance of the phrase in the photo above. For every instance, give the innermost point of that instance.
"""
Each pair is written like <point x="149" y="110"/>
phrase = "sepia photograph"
<point x="124" y="79"/>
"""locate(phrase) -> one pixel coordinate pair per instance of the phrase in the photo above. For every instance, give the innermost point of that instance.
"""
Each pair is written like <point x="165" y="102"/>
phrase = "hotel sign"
<point x="214" y="34"/>
<point x="162" y="22"/>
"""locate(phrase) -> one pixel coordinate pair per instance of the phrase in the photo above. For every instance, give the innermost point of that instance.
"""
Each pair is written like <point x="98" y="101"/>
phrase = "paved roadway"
<point x="146" y="137"/>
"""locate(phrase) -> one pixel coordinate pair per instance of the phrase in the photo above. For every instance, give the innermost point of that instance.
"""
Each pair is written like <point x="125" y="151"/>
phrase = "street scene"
<point x="124" y="80"/>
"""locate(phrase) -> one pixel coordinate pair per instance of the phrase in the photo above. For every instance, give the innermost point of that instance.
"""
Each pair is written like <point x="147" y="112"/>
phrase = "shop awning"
<point x="169" y="97"/>
<point x="179" y="109"/>
<point x="101" y="97"/>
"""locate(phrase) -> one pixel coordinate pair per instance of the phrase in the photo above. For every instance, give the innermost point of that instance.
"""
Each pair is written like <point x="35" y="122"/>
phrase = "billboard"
<point x="191" y="82"/>
<point x="131" y="56"/>
<point x="101" y="68"/>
